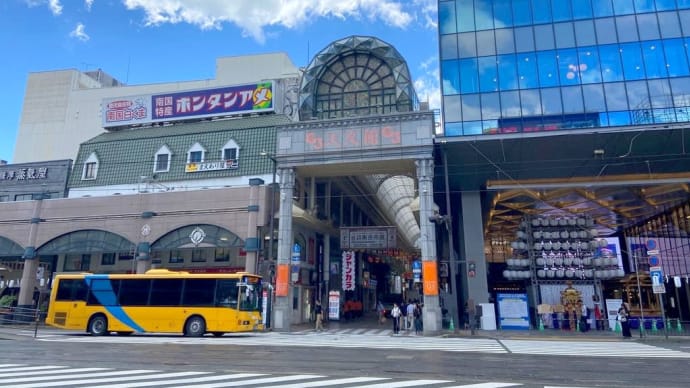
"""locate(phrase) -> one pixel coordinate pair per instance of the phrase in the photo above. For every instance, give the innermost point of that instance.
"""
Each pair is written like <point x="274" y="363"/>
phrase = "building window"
<point x="175" y="257"/>
<point x="108" y="258"/>
<point x="90" y="168"/>
<point x="4" y="198"/>
<point x="196" y="154"/>
<point x="222" y="254"/>
<point x="231" y="153"/>
<point x="23" y="197"/>
<point x="198" y="256"/>
<point x="162" y="163"/>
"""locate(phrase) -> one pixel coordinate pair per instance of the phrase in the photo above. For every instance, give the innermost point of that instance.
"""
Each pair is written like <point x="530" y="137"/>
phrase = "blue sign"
<point x="653" y="261"/>
<point x="513" y="311"/>
<point x="651" y="244"/>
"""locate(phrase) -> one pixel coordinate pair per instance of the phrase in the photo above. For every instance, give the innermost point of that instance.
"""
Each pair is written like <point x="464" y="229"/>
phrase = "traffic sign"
<point x="657" y="276"/>
<point x="654" y="261"/>
<point x="651" y="244"/>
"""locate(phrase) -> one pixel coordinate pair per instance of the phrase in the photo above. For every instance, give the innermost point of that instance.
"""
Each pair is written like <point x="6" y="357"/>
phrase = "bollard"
<point x="618" y="327"/>
<point x="541" y="325"/>
<point x="654" y="328"/>
<point x="679" y="327"/>
<point x="451" y="326"/>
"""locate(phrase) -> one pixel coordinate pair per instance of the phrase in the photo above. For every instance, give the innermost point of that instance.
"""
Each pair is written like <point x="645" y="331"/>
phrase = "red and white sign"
<point x="348" y="271"/>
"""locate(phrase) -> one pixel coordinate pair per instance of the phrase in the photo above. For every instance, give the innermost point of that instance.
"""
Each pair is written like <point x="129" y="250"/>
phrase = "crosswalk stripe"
<point x="350" y="380"/>
<point x="256" y="381"/>
<point x="591" y="349"/>
<point x="52" y="372"/>
<point x="97" y="381"/>
<point x="486" y="385"/>
<point x="9" y="365"/>
<point x="69" y="375"/>
<point x="184" y="381"/>
<point x="400" y="384"/>
<point x="21" y="368"/>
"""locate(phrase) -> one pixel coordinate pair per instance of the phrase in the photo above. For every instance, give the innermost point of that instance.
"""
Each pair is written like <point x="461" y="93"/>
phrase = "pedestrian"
<point x="584" y="313"/>
<point x="598" y="317"/>
<point x="417" y="319"/>
<point x="395" y="317"/>
<point x="409" y="317"/>
<point x="319" y="316"/>
<point x="624" y="319"/>
<point x="380" y="312"/>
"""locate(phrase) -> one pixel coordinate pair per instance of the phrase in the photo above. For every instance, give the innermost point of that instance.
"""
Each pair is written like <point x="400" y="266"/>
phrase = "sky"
<point x="157" y="41"/>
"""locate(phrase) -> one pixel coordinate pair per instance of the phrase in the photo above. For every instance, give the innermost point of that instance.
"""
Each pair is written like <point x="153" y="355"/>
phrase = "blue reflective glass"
<point x="572" y="99"/>
<point x="471" y="108"/>
<point x="588" y="58"/>
<point x="660" y="93"/>
<point x="593" y="95"/>
<point x="623" y="7"/>
<point x="469" y="79"/>
<point x="633" y="65"/>
<point x="488" y="78"/>
<point x="602" y="8"/>
<point x="510" y="104"/>
<point x="644" y="6"/>
<point x="562" y="11"/>
<point x="465" y="15"/>
<point x="450" y="74"/>
<point x="472" y="128"/>
<point x="446" y="17"/>
<point x="681" y="92"/>
<point x="653" y="54"/>
<point x="568" y="67"/>
<point x="669" y="25"/>
<point x="638" y="95"/>
<point x="527" y="70"/>
<point x="666" y="115"/>
<point x="507" y="72"/>
<point x="503" y="14"/>
<point x="665" y="5"/>
<point x="551" y="101"/>
<point x="548" y="68"/>
<point x="682" y="4"/>
<point x="491" y="106"/>
<point x="449" y="46"/>
<point x="452" y="108"/>
<point x="541" y="11"/>
<point x="489" y="127"/>
<point x="616" y="98"/>
<point x="610" y="59"/>
<point x="452" y="129"/>
<point x="619" y="118"/>
<point x="522" y="12"/>
<point x="483" y="14"/>
<point x="531" y="103"/>
<point x="582" y="9"/>
<point x="676" y="58"/>
<point x="648" y="26"/>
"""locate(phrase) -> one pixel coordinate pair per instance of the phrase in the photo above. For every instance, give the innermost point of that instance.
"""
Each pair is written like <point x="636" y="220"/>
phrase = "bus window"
<point x="71" y="289"/>
<point x="166" y="292"/>
<point x="251" y="297"/>
<point x="198" y="292"/>
<point x="134" y="292"/>
<point x="226" y="293"/>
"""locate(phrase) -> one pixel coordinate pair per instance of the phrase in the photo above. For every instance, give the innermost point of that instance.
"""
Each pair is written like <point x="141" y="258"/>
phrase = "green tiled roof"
<point x="126" y="155"/>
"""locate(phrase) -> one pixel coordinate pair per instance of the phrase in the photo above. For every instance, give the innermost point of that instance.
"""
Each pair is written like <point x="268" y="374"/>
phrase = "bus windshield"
<point x="251" y="296"/>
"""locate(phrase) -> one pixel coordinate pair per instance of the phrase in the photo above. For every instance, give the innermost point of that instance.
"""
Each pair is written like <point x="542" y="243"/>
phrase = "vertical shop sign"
<point x="348" y="270"/>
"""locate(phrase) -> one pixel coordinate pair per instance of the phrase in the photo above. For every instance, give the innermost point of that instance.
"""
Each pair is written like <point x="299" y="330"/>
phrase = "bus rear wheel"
<point x="98" y="325"/>
<point x="195" y="327"/>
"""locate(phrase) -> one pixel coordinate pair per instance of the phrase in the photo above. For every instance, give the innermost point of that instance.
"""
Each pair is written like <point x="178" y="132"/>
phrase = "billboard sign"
<point x="185" y="105"/>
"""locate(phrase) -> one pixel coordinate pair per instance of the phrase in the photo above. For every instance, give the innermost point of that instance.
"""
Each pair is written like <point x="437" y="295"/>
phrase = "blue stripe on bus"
<point x="108" y="299"/>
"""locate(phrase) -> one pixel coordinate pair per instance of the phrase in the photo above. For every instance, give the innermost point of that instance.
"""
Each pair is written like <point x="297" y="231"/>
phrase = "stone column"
<point x="143" y="251"/>
<point x="251" y="244"/>
<point x="282" y="309"/>
<point x="28" y="282"/>
<point x="431" y="311"/>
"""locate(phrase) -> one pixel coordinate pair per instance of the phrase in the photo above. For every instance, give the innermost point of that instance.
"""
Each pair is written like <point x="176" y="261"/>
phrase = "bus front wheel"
<point x="98" y="325"/>
<point x="195" y="327"/>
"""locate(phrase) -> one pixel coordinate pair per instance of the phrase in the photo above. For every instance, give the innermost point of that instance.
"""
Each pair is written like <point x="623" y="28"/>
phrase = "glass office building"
<point x="512" y="66"/>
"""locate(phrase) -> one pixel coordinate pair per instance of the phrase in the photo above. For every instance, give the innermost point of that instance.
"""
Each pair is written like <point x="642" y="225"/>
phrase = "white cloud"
<point x="79" y="33"/>
<point x="253" y="16"/>
<point x="54" y="5"/>
<point x="427" y="85"/>
<point x="88" y="4"/>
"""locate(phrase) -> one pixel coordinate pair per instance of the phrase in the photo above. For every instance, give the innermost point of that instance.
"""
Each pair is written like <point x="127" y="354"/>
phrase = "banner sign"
<point x="146" y="109"/>
<point x="348" y="271"/>
<point x="375" y="237"/>
<point x="334" y="305"/>
<point x="513" y="311"/>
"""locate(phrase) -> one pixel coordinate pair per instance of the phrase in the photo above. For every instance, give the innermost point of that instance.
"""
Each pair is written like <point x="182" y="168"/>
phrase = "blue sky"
<point x="153" y="41"/>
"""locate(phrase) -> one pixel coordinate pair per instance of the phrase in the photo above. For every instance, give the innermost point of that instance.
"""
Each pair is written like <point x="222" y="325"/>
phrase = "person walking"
<point x="319" y="316"/>
<point x="409" y="317"/>
<point x="380" y="312"/>
<point x="624" y="319"/>
<point x="395" y="317"/>
<point x="418" y="328"/>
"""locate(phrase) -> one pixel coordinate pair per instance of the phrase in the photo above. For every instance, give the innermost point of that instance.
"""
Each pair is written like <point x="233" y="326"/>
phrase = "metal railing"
<point x="21" y="318"/>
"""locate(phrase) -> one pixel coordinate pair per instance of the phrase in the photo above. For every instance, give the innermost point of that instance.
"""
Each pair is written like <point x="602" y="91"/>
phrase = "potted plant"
<point x="7" y="302"/>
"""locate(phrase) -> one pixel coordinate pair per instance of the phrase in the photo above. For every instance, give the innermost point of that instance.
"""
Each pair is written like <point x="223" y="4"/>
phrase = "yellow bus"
<point x="158" y="301"/>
